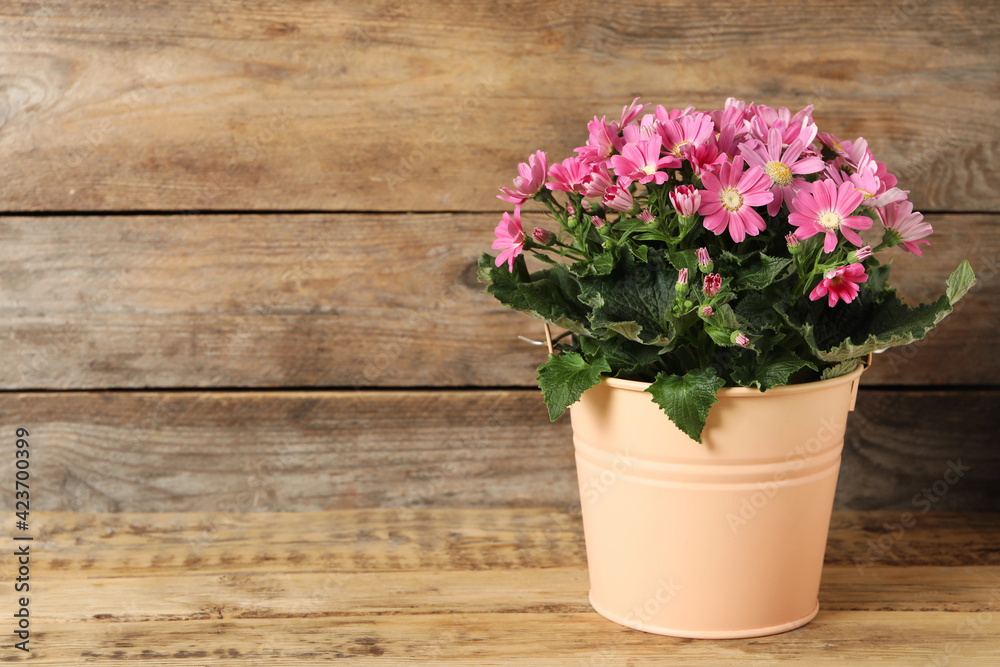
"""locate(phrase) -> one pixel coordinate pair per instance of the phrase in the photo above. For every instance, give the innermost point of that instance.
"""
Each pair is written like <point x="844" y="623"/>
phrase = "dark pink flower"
<point x="618" y="198"/>
<point x="542" y="235"/>
<point x="509" y="238"/>
<point x="707" y="311"/>
<point x="641" y="162"/>
<point x="601" y="143"/>
<point x="530" y="180"/>
<point x="781" y="166"/>
<point x="729" y="197"/>
<point x="825" y="208"/>
<point x="630" y="113"/>
<point x="840" y="284"/>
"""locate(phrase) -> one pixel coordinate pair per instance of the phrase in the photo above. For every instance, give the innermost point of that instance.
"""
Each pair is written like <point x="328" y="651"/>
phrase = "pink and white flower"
<point x="630" y="113"/>
<point x="704" y="259"/>
<point x="618" y="198"/>
<point x="824" y="208"/>
<point x="682" y="277"/>
<point x="529" y="181"/>
<point x="601" y="143"/>
<point x="781" y="167"/>
<point x="542" y="235"/>
<point x="840" y="284"/>
<point x="509" y="238"/>
<point x="686" y="132"/>
<point x="712" y="284"/>
<point x="642" y="162"/>
<point x="729" y="197"/>
<point x="905" y="226"/>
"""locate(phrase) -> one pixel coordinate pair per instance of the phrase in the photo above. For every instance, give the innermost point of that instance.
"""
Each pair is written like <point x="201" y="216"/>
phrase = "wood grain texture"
<point x="426" y="106"/>
<point x="348" y="300"/>
<point x="313" y="588"/>
<point x="407" y="450"/>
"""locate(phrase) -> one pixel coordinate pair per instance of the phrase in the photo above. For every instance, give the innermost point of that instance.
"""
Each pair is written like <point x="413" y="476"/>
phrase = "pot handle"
<point x="854" y="385"/>
<point x="548" y="338"/>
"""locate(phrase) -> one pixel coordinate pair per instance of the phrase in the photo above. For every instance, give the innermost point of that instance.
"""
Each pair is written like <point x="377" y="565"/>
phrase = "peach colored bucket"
<point x="719" y="540"/>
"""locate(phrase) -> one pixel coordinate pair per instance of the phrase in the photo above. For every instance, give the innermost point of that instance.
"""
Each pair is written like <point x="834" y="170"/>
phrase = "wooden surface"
<point x="318" y="450"/>
<point x="238" y="239"/>
<point x="394" y="106"/>
<point x="496" y="587"/>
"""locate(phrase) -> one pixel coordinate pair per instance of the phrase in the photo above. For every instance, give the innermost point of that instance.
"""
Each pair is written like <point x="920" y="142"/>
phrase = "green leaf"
<point x="564" y="378"/>
<point x="634" y="300"/>
<point x="757" y="308"/>
<point x="771" y="369"/>
<point x="843" y="368"/>
<point x="598" y="265"/>
<point x="686" y="399"/>
<point x="892" y="322"/>
<point x="625" y="357"/>
<point x="762" y="272"/>
<point x="684" y="259"/>
<point x="550" y="295"/>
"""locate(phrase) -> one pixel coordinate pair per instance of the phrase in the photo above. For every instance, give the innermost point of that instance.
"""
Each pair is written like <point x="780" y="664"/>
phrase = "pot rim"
<point x="750" y="392"/>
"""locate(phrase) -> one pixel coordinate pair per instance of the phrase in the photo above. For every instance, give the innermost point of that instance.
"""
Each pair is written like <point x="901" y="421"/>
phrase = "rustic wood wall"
<point x="238" y="239"/>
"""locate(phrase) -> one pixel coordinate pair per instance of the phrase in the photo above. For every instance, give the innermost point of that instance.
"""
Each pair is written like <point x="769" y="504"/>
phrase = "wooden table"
<point x="484" y="586"/>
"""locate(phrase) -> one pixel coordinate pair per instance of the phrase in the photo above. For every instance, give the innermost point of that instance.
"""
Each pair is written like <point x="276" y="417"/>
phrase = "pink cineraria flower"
<point x="509" y="238"/>
<point x="861" y="254"/>
<point x="707" y="158"/>
<point x="792" y="240"/>
<point x="840" y="284"/>
<point x="824" y="208"/>
<point x="686" y="200"/>
<point x="762" y="119"/>
<point x="686" y="132"/>
<point x="601" y="143"/>
<point x="712" y="284"/>
<point x="597" y="222"/>
<point x="707" y="311"/>
<point x="729" y="197"/>
<point x="781" y="167"/>
<point x="618" y="198"/>
<point x="682" y="277"/>
<point x="704" y="259"/>
<point x="530" y="180"/>
<point x="568" y="176"/>
<point x="733" y="113"/>
<point x="631" y="112"/>
<point x="907" y="227"/>
<point x="646" y="216"/>
<point x="866" y="181"/>
<point x="597" y="182"/>
<point x="740" y="339"/>
<point x="642" y="162"/>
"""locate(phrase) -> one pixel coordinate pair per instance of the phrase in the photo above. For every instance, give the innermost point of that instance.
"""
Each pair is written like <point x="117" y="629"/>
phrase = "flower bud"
<point x="686" y="200"/>
<point x="703" y="257"/>
<point x="598" y="222"/>
<point x="792" y="240"/>
<point x="861" y="254"/>
<point x="712" y="284"/>
<point x="646" y="216"/>
<point x="542" y="236"/>
<point x="707" y="311"/>
<point x="682" y="277"/>
<point x="740" y="339"/>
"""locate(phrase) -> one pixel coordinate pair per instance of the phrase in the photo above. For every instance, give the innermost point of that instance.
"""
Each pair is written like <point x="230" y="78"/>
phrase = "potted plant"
<point x="717" y="277"/>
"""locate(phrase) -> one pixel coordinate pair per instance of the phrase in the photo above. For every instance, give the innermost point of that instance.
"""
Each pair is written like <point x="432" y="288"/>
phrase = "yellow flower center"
<point x="830" y="220"/>
<point x="732" y="199"/>
<point x="677" y="149"/>
<point x="649" y="169"/>
<point x="779" y="172"/>
<point x="837" y="147"/>
<point x="867" y="194"/>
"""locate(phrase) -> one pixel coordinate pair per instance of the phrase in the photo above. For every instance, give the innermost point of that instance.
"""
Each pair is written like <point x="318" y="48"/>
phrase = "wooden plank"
<point x="83" y="546"/>
<point x="347" y="300"/>
<point x="295" y="451"/>
<point x="351" y="106"/>
<point x="304" y="611"/>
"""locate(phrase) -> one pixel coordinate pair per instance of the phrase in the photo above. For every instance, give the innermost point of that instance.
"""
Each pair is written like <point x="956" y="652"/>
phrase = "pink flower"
<point x="568" y="176"/>
<point x="823" y="209"/>
<point x="762" y="119"/>
<point x="597" y="182"/>
<point x="617" y="198"/>
<point x="712" y="284"/>
<point x="866" y="181"/>
<point x="686" y="200"/>
<point x="631" y="112"/>
<point x="791" y="240"/>
<point x="781" y="167"/>
<point x="530" y="180"/>
<point x="646" y="216"/>
<point x="907" y="227"/>
<point x="686" y="132"/>
<point x="509" y="238"/>
<point x="682" y="277"/>
<point x="840" y="283"/>
<point x="706" y="158"/>
<point x="642" y="162"/>
<point x="597" y="222"/>
<point x="704" y="259"/>
<point x="541" y="235"/>
<point x="601" y="143"/>
<point x="729" y="196"/>
<point x="707" y="311"/>
<point x="740" y="339"/>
